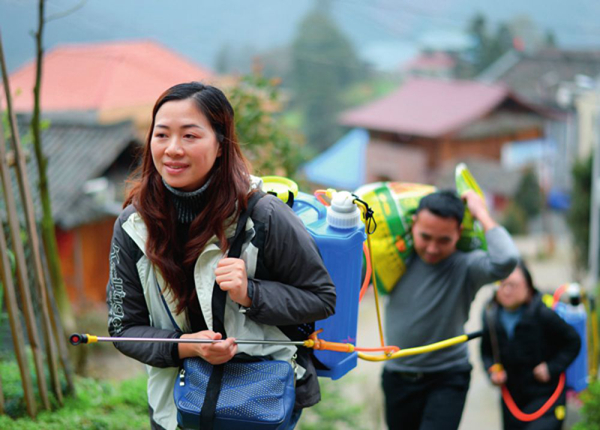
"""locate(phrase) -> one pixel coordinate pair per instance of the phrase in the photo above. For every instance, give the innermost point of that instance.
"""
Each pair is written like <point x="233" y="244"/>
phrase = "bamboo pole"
<point x="59" y="331"/>
<point x="23" y="280"/>
<point x="15" y="322"/>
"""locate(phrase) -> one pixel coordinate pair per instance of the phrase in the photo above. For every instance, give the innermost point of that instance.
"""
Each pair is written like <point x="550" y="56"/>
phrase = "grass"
<point x="97" y="405"/>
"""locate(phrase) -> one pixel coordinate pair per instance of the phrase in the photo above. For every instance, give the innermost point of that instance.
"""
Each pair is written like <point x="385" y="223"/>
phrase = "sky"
<point x="383" y="31"/>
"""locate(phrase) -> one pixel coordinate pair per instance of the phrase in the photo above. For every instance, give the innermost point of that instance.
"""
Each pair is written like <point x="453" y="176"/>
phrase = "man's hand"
<point x="214" y="353"/>
<point x="541" y="372"/>
<point x="478" y="209"/>
<point x="231" y="277"/>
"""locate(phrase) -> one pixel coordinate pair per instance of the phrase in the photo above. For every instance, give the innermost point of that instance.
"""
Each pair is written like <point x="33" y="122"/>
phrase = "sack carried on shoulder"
<point x="257" y="395"/>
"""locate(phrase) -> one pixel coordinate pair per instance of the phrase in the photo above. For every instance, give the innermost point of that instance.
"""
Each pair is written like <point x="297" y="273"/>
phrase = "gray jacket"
<point x="290" y="290"/>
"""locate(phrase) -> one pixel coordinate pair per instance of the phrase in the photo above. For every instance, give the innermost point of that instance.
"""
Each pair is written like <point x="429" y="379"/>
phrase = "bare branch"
<point x="66" y="12"/>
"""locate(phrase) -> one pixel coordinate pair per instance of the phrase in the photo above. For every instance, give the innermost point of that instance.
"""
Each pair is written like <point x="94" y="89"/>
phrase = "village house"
<point x="98" y="99"/>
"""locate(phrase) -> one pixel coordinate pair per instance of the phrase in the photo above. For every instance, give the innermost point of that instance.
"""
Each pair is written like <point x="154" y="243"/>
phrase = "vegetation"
<point x="590" y="412"/>
<point x="491" y="43"/>
<point x="334" y="411"/>
<point x="579" y="214"/>
<point x="527" y="204"/>
<point x="97" y="405"/>
<point x="514" y="219"/>
<point x="271" y="147"/>
<point x="48" y="231"/>
<point x="529" y="195"/>
<point x="324" y="65"/>
<point x="109" y="405"/>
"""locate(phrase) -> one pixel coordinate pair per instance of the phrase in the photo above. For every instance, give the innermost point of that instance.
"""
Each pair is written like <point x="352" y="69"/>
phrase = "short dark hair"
<point x="444" y="203"/>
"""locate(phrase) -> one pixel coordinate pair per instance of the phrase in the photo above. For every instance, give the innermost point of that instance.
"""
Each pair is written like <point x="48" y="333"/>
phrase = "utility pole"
<point x="594" y="252"/>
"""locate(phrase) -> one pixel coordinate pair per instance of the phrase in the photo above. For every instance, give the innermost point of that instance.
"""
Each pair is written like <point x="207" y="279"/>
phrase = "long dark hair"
<point x="226" y="193"/>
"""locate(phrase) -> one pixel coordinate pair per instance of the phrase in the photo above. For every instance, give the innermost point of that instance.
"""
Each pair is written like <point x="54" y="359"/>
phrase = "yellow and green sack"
<point x="394" y="204"/>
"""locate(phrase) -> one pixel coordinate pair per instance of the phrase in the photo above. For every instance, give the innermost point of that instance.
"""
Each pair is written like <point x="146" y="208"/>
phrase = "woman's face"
<point x="513" y="291"/>
<point x="184" y="146"/>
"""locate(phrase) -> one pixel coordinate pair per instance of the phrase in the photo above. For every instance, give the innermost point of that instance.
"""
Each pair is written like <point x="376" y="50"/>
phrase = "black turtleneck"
<point x="188" y="205"/>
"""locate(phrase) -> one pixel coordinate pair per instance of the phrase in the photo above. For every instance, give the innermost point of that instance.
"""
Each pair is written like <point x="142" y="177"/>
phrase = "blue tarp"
<point x="342" y="166"/>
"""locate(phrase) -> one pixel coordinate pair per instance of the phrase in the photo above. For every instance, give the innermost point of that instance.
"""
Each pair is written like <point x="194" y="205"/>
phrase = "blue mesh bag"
<point x="254" y="395"/>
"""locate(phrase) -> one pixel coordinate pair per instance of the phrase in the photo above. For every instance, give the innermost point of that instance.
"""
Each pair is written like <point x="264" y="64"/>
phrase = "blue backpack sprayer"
<point x="574" y="313"/>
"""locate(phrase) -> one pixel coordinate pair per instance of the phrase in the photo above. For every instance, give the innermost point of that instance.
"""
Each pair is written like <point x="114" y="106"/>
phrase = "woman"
<point x="534" y="346"/>
<point x="169" y="247"/>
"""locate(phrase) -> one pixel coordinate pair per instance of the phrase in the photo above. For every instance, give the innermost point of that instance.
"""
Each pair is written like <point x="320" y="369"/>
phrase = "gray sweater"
<point x="431" y="302"/>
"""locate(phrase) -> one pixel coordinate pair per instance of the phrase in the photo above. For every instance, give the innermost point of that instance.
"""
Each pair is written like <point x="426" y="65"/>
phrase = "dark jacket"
<point x="290" y="289"/>
<point x="540" y="336"/>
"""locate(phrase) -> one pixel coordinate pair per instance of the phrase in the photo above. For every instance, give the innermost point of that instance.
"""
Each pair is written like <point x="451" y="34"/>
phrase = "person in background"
<point x="431" y="303"/>
<point x="170" y="243"/>
<point x="534" y="346"/>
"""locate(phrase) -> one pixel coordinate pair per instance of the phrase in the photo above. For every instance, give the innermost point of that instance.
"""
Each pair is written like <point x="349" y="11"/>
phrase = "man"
<point x="431" y="303"/>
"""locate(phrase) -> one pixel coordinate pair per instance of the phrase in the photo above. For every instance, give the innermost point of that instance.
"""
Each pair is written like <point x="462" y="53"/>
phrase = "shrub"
<point x="514" y="219"/>
<point x="335" y="411"/>
<point x="590" y="412"/>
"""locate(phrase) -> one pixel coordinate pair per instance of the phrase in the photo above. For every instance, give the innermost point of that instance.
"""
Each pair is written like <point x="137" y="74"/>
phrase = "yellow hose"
<point x="417" y="350"/>
<point x="594" y="345"/>
<point x="363" y="208"/>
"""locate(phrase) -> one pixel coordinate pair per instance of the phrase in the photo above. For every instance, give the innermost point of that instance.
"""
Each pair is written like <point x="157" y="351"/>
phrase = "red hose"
<point x="369" y="270"/>
<point x="520" y="415"/>
<point x="557" y="294"/>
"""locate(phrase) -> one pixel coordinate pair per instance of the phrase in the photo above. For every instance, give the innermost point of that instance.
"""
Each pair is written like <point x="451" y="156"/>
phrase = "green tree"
<point x="478" y="30"/>
<point x="223" y="59"/>
<point x="529" y="196"/>
<point x="579" y="213"/>
<point x="269" y="146"/>
<point x="324" y="65"/>
<point x="550" y="41"/>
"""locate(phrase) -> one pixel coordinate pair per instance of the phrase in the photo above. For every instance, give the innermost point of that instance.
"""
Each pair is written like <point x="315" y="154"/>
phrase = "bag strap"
<point x="219" y="296"/>
<point x="491" y="321"/>
<point x="213" y="388"/>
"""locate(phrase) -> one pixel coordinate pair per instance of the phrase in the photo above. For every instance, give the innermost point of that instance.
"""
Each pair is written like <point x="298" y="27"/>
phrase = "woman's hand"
<point x="541" y="372"/>
<point x="498" y="377"/>
<point x="231" y="277"/>
<point x="214" y="353"/>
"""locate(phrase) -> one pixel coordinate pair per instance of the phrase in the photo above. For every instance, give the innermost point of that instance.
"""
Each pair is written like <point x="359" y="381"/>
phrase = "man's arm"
<point x="502" y="255"/>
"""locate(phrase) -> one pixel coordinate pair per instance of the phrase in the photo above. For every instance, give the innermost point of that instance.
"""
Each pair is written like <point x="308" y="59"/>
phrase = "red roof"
<point x="428" y="107"/>
<point x="103" y="76"/>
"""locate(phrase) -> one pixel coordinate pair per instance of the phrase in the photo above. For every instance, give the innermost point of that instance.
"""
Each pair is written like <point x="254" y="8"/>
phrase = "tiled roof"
<point x="76" y="153"/>
<point x="535" y="77"/>
<point x="428" y="107"/>
<point x="104" y="76"/>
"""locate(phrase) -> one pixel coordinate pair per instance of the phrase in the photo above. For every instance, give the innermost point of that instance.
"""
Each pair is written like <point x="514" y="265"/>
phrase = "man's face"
<point x="434" y="237"/>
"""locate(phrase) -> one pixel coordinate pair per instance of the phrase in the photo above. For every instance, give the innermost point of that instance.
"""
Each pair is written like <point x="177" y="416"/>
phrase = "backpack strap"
<point x="219" y="298"/>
